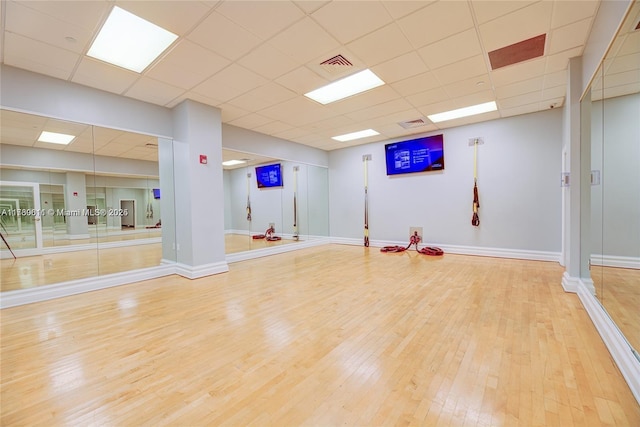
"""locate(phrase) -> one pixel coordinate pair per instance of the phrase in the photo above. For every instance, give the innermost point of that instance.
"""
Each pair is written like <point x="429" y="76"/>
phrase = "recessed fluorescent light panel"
<point x="464" y="112"/>
<point x="343" y="88"/>
<point x="129" y="41"/>
<point x="355" y="135"/>
<point x="55" y="138"/>
<point x="233" y="162"/>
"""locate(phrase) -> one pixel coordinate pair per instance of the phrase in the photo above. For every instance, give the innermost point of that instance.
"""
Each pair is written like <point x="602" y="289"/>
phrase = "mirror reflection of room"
<point x="68" y="214"/>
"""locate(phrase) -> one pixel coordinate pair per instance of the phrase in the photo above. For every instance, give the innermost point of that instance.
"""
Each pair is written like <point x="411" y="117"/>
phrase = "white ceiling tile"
<point x="101" y="75"/>
<point x="453" y="104"/>
<point x="262" y="97"/>
<point x="554" y="92"/>
<point x="291" y="134"/>
<point x="231" y="82"/>
<point x="517" y="72"/>
<point x="437" y="21"/>
<point x="310" y="6"/>
<point x="399" y="8"/>
<point x="230" y="112"/>
<point x="560" y="61"/>
<point x="273" y="128"/>
<point x="568" y="37"/>
<point x="631" y="44"/>
<point x="366" y="99"/>
<point x="178" y="70"/>
<point x="384" y="109"/>
<point x="153" y="91"/>
<point x="381" y="45"/>
<point x="224" y="37"/>
<point x="489" y="10"/>
<point x="330" y="124"/>
<point x="84" y="14"/>
<point x="268" y="61"/>
<point x="400" y="68"/>
<point x="302" y="80"/>
<point x="38" y="57"/>
<point x="262" y="18"/>
<point x="397" y="117"/>
<point x="298" y="112"/>
<point x="469" y="120"/>
<point x="559" y="78"/>
<point x="515" y="101"/>
<point x="462" y="70"/>
<point x="468" y="86"/>
<point x="250" y="121"/>
<point x="624" y="63"/>
<point x="515" y="27"/>
<point x="566" y="12"/>
<point x="452" y="49"/>
<point x="45" y="28"/>
<point x="294" y="41"/>
<point x="176" y="16"/>
<point x="428" y="97"/>
<point x="349" y="20"/>
<point x="195" y="97"/>
<point x="416" y="84"/>
<point x="520" y="88"/>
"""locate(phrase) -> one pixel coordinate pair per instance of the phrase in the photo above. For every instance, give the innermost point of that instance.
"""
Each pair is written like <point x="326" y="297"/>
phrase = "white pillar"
<point x="75" y="204"/>
<point x="199" y="192"/>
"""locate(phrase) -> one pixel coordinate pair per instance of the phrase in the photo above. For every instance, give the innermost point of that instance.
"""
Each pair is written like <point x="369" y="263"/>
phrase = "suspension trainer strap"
<point x="475" y="219"/>
<point x="248" y="197"/>
<point x="295" y="202"/>
<point x="365" y="158"/>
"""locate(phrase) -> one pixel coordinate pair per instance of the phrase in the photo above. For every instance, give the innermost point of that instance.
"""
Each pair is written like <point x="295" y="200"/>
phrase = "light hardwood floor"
<point x="326" y="336"/>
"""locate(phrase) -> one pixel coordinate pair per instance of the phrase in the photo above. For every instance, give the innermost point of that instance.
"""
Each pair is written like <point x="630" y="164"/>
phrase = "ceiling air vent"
<point x="337" y="64"/>
<point x="410" y="124"/>
<point x="518" y="52"/>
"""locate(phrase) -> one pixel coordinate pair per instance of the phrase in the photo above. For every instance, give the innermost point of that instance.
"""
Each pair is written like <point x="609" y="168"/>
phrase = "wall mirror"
<point x="615" y="189"/>
<point x="83" y="209"/>
<point x="264" y="192"/>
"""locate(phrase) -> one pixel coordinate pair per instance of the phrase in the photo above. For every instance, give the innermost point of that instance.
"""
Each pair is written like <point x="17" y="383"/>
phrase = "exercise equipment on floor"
<point x="268" y="235"/>
<point x="414" y="240"/>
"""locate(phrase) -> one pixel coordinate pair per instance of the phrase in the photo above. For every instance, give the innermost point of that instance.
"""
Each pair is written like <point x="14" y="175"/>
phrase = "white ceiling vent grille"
<point x="410" y="124"/>
<point x="336" y="65"/>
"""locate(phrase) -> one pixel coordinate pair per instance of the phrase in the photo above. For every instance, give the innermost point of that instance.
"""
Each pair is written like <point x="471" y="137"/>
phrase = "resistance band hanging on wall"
<point x="365" y="159"/>
<point x="248" y="198"/>
<point x="475" y="219"/>
<point x="295" y="204"/>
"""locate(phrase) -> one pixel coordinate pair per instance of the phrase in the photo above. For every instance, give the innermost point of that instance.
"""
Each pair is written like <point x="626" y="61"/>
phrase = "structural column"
<point x="75" y="203"/>
<point x="199" y="191"/>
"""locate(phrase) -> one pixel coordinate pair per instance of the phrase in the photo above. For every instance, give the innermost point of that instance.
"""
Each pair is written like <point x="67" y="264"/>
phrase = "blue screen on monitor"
<point x="416" y="155"/>
<point x="269" y="176"/>
<point x="156" y="193"/>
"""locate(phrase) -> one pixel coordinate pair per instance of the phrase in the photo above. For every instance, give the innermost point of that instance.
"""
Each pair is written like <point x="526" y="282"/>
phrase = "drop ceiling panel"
<point x="515" y="27"/>
<point x="251" y="121"/>
<point x="400" y="68"/>
<point x="263" y="97"/>
<point x="399" y="8"/>
<point x="567" y="12"/>
<point x="516" y="101"/>
<point x="268" y="61"/>
<point x="32" y="55"/>
<point x="98" y="74"/>
<point x="427" y="97"/>
<point x="384" y="109"/>
<point x="381" y="45"/>
<point x="231" y="82"/>
<point x="273" y="128"/>
<point x="569" y="36"/>
<point x="262" y="18"/>
<point x="461" y="70"/>
<point x="301" y="80"/>
<point x="518" y="72"/>
<point x="45" y="28"/>
<point x="153" y="91"/>
<point x="177" y="70"/>
<point x="560" y="61"/>
<point x="231" y="112"/>
<point x="555" y="79"/>
<point x="442" y="19"/>
<point x="83" y="14"/>
<point x="365" y="100"/>
<point x="416" y="84"/>
<point x="341" y="19"/>
<point x="226" y="38"/>
<point x="475" y="84"/>
<point x="520" y="88"/>
<point x="452" y="49"/>
<point x="294" y="41"/>
<point x="489" y="10"/>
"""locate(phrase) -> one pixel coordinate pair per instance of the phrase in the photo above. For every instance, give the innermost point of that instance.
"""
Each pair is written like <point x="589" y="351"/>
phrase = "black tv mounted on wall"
<point x="415" y="155"/>
<point x="269" y="175"/>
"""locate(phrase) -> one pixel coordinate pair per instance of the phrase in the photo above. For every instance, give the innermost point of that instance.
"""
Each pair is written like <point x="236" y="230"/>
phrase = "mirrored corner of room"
<point x="292" y="207"/>
<point x="91" y="206"/>
<point x="615" y="179"/>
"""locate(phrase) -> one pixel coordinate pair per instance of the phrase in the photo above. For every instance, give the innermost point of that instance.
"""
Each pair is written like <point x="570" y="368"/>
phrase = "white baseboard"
<point x="73" y="287"/>
<point x="618" y="346"/>
<point x="615" y="261"/>
<point x="198" y="271"/>
<point x="569" y="283"/>
<point x="277" y="249"/>
<point x="100" y="245"/>
<point x="462" y="250"/>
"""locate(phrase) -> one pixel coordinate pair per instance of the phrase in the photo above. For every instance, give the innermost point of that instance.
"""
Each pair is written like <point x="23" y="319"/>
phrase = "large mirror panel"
<point x="615" y="190"/>
<point x="292" y="209"/>
<point x="88" y="208"/>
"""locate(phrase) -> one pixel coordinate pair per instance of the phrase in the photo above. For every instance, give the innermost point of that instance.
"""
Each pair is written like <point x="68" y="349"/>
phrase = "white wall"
<point x="518" y="180"/>
<point x="615" y="203"/>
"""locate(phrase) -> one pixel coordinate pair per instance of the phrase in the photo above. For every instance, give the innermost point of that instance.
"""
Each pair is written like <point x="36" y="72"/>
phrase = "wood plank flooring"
<point x="326" y="336"/>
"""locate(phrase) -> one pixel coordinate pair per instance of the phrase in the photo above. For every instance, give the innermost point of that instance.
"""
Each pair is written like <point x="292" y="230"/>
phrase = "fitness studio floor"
<point x="325" y="336"/>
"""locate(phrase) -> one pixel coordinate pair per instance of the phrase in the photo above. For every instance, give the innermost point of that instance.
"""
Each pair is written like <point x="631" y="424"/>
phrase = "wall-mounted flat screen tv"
<point x="269" y="176"/>
<point x="416" y="155"/>
<point x="156" y="193"/>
